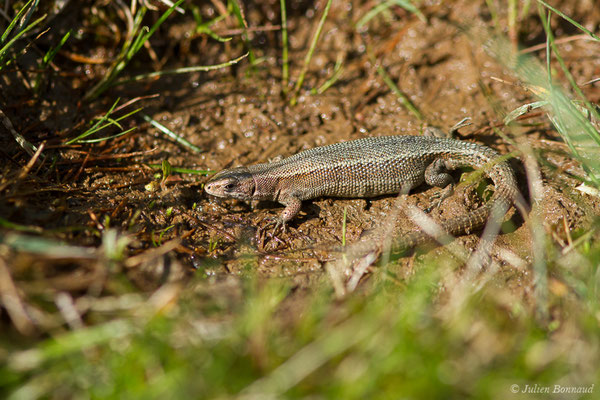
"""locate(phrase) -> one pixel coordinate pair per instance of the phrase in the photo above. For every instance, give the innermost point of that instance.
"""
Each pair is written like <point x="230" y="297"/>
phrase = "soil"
<point x="239" y="116"/>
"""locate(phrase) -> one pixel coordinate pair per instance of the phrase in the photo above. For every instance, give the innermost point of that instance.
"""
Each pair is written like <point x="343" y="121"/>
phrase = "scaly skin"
<point x="371" y="167"/>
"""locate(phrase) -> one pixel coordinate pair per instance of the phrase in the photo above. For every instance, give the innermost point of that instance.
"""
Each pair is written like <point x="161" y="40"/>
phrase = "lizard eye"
<point x="230" y="186"/>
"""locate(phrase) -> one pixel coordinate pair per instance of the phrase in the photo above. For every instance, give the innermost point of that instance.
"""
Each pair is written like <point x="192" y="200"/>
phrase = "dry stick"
<point x="542" y="46"/>
<point x="211" y="226"/>
<point x="108" y="157"/>
<point x="28" y="147"/>
<point x="66" y="306"/>
<point x="76" y="177"/>
<point x="368" y="253"/>
<point x="536" y="190"/>
<point x="151" y="254"/>
<point x="31" y="162"/>
<point x="9" y="296"/>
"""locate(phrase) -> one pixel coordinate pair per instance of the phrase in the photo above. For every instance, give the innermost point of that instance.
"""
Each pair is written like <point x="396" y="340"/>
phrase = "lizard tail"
<point x="468" y="223"/>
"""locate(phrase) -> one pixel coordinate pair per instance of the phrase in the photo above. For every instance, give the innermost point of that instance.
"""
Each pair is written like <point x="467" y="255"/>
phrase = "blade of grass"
<point x="309" y="55"/>
<point x="577" y="132"/>
<point x="572" y="21"/>
<point x="13" y="22"/>
<point x="24" y="143"/>
<point x="102" y="139"/>
<point x="567" y="115"/>
<point x="204" y="27"/>
<point x="344" y="227"/>
<point x="93" y="128"/>
<point x="184" y="70"/>
<point x="401" y="96"/>
<point x="237" y="11"/>
<point x="112" y="121"/>
<point x="4" y="223"/>
<point x="184" y="170"/>
<point x="552" y="45"/>
<point x="7" y="46"/>
<point x="407" y="5"/>
<point x="512" y="23"/>
<point x="172" y="135"/>
<point x="493" y="12"/>
<point x="284" y="41"/>
<point x="49" y="56"/>
<point x="524" y="109"/>
<point x="338" y="70"/>
<point x="29" y="14"/>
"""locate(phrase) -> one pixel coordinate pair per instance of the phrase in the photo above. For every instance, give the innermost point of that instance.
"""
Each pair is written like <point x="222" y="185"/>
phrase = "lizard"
<point x="370" y="167"/>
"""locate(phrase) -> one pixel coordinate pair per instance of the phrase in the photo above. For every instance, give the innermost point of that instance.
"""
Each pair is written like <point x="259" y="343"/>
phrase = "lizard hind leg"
<point x="436" y="174"/>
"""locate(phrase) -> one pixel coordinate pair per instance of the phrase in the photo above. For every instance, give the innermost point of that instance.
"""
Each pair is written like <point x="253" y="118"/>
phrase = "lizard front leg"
<point x="292" y="207"/>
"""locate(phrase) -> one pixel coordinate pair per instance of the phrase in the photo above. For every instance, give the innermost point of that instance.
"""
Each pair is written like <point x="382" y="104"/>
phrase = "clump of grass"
<point x="397" y="338"/>
<point x="136" y="38"/>
<point x="104" y="122"/>
<point x="17" y="28"/>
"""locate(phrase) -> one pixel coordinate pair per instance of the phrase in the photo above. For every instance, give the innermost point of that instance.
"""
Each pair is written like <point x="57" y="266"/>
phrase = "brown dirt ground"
<point x="238" y="116"/>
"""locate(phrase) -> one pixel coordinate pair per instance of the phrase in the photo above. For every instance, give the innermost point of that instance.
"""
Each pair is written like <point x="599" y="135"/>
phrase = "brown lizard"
<point x="372" y="167"/>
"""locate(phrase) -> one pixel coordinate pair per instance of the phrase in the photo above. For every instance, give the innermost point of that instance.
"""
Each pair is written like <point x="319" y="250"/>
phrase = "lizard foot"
<point x="438" y="198"/>
<point x="277" y="222"/>
<point x="263" y="231"/>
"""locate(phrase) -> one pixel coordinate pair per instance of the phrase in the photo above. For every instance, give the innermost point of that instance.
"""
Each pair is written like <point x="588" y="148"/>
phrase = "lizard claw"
<point x="438" y="197"/>
<point x="436" y="200"/>
<point x="262" y="232"/>
<point x="278" y="222"/>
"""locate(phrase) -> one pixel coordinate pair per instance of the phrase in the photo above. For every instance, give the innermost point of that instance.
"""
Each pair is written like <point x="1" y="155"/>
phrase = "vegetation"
<point x="108" y="294"/>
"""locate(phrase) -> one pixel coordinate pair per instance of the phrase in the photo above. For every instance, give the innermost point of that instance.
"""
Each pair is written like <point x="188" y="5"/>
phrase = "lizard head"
<point x="235" y="183"/>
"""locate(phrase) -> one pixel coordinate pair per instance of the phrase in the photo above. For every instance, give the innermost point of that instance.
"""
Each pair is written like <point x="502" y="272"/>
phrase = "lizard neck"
<point x="265" y="183"/>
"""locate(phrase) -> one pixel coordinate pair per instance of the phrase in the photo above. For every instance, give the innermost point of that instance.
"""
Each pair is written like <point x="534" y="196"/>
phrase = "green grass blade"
<point x="237" y="11"/>
<point x="29" y="14"/>
<point x="338" y="70"/>
<point x="284" y="41"/>
<point x="205" y="27"/>
<point x="184" y="70"/>
<point x="577" y="132"/>
<point x="49" y="56"/>
<point x="92" y="129"/>
<point x="172" y="135"/>
<point x="108" y="137"/>
<point x="184" y="170"/>
<point x="551" y="45"/>
<point x="112" y="122"/>
<point x="571" y="20"/>
<point x="130" y="48"/>
<point x="157" y="24"/>
<point x="14" y="22"/>
<point x="4" y="49"/>
<point x="401" y="96"/>
<point x="373" y="12"/>
<point x="309" y="55"/>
